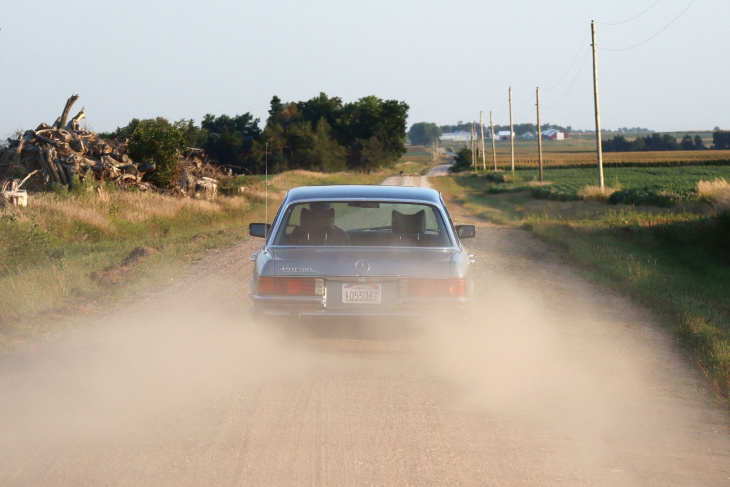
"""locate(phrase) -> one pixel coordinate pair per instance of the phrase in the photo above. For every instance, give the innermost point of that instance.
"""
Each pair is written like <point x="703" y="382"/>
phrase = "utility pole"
<point x="511" y="135"/>
<point x="494" y="150"/>
<point x="599" y="149"/>
<point x="539" y="135"/>
<point x="473" y="147"/>
<point x="481" y="123"/>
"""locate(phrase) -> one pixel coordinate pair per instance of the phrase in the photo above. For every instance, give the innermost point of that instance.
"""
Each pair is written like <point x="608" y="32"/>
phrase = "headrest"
<point x="402" y="223"/>
<point x="317" y="219"/>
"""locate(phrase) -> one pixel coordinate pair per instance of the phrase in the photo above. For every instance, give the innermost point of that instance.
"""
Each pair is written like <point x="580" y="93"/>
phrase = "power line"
<point x="571" y="64"/>
<point x="632" y="18"/>
<point x="652" y="37"/>
<point x="570" y="88"/>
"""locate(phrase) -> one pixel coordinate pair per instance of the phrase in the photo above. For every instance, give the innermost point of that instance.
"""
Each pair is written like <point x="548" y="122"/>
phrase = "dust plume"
<point x="566" y="372"/>
<point x="128" y="371"/>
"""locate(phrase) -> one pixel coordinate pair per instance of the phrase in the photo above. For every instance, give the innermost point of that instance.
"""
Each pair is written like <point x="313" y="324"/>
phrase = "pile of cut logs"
<point x="58" y="153"/>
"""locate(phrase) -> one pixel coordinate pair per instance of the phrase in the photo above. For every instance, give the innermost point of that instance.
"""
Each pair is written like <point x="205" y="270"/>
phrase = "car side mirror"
<point x="259" y="229"/>
<point x="466" y="231"/>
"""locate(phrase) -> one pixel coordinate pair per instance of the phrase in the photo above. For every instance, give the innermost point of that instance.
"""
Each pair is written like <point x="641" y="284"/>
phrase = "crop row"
<point x="588" y="159"/>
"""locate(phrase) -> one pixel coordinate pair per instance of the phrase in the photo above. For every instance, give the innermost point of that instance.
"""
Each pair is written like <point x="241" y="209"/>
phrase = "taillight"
<point x="290" y="286"/>
<point x="433" y="287"/>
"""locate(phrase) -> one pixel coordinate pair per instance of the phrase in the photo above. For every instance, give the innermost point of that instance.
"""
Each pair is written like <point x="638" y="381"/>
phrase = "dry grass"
<point x="708" y="189"/>
<point x="716" y="192"/>
<point x="46" y="208"/>
<point x="594" y="193"/>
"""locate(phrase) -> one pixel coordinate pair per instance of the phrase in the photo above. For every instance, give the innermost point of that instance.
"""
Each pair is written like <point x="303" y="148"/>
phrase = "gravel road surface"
<point x="553" y="382"/>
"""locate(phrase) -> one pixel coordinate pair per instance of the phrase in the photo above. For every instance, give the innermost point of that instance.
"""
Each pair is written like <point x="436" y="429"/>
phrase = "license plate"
<point x="361" y="293"/>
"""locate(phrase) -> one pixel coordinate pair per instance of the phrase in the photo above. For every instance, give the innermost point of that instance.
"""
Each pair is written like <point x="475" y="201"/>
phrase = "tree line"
<point x="665" y="142"/>
<point x="320" y="134"/>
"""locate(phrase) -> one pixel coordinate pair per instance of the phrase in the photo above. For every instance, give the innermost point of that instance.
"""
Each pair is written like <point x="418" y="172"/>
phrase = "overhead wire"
<point x="571" y="64"/>
<point x="653" y="36"/>
<point x="570" y="88"/>
<point x="632" y="18"/>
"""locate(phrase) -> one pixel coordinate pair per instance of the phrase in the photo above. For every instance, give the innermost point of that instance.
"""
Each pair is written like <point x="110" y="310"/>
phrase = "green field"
<point x="676" y="184"/>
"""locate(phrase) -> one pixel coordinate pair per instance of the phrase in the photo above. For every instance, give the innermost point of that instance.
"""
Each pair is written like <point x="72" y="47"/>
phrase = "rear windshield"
<point x="362" y="223"/>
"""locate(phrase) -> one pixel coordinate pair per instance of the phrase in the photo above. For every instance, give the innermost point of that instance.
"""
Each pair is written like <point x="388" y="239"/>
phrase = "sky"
<point x="661" y="64"/>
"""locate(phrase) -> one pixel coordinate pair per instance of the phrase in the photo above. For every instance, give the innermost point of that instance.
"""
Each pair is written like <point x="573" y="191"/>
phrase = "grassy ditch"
<point x="675" y="261"/>
<point x="67" y="251"/>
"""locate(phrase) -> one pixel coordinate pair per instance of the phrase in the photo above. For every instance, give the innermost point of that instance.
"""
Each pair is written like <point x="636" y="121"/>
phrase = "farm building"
<point x="502" y="135"/>
<point x="554" y="134"/>
<point x="455" y="137"/>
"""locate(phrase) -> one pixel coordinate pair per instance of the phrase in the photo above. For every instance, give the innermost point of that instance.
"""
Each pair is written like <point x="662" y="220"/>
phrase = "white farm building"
<point x="455" y="137"/>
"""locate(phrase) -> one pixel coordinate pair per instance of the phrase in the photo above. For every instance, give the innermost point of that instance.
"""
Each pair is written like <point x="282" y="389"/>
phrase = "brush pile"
<point x="65" y="153"/>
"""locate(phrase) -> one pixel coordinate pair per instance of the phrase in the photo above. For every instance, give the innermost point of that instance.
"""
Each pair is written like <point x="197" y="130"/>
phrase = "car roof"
<point x="363" y="192"/>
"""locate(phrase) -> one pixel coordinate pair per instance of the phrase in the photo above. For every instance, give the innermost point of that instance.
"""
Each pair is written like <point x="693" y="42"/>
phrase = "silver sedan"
<point x="360" y="251"/>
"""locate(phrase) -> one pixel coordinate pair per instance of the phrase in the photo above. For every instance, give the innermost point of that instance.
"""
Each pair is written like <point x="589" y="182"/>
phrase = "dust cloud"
<point x="547" y="383"/>
<point x="130" y="370"/>
<point x="603" y="398"/>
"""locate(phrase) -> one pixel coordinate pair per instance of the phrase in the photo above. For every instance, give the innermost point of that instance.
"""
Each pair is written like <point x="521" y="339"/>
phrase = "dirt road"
<point x="554" y="382"/>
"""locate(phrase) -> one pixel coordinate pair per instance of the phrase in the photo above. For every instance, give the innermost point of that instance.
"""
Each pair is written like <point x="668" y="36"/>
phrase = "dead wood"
<point x="66" y="109"/>
<point x="64" y="151"/>
<point x="73" y="124"/>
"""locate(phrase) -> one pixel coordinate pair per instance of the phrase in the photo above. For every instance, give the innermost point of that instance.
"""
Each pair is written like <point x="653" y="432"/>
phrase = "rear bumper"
<point x="312" y="307"/>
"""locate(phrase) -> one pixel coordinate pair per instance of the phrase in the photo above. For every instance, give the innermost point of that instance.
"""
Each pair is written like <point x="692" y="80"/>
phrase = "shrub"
<point x="160" y="142"/>
<point x="547" y="193"/>
<point x="644" y="197"/>
<point x="594" y="193"/>
<point x="496" y="177"/>
<point x="462" y="161"/>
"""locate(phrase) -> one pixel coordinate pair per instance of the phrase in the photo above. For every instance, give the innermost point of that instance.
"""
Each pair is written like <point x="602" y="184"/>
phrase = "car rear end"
<point x="368" y="254"/>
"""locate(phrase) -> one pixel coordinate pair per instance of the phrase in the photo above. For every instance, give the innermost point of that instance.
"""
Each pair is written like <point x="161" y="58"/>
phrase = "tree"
<point x="229" y="140"/>
<point x="654" y="142"/>
<point x="699" y="144"/>
<point x="327" y="154"/>
<point x="687" y="143"/>
<point x="372" y="118"/>
<point x="721" y="139"/>
<point x="244" y="124"/>
<point x="424" y="133"/>
<point x="121" y="132"/>
<point x="273" y="142"/>
<point x="160" y="142"/>
<point x="616" y="144"/>
<point x="299" y="145"/>
<point x="462" y="161"/>
<point x="321" y="107"/>
<point x="370" y="152"/>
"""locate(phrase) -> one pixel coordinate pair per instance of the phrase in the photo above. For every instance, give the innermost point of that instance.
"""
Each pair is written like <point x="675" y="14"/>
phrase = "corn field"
<point x="524" y="160"/>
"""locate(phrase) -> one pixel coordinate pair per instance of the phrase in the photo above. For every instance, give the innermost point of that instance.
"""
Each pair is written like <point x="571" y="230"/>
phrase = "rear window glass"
<point x="362" y="223"/>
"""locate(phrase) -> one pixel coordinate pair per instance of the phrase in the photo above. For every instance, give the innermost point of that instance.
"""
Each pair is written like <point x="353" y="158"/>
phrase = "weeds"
<point x="594" y="193"/>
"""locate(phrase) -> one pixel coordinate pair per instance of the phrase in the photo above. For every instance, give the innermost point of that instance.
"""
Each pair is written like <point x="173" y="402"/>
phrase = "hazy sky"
<point x="447" y="59"/>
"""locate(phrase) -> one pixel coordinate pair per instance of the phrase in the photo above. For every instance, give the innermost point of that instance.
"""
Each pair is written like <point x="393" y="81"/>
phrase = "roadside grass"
<point x="54" y="251"/>
<point x="675" y="261"/>
<point x="67" y="252"/>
